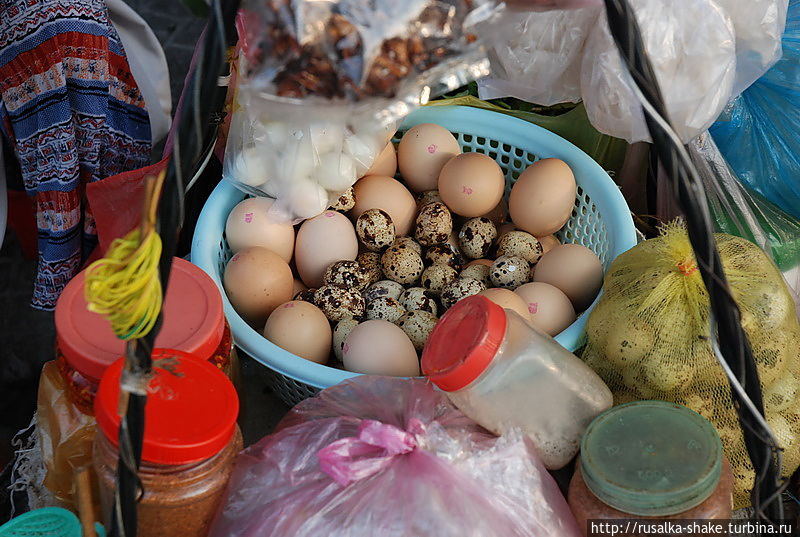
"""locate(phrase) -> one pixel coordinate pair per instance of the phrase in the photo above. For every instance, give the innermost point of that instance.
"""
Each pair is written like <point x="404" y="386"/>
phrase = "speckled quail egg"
<point x="383" y="288"/>
<point x="340" y="333"/>
<point x="386" y="308"/>
<point x="520" y="244"/>
<point x="375" y="229"/>
<point x="338" y="303"/>
<point x="434" y="224"/>
<point x="510" y="271"/>
<point x="418" y="325"/>
<point x="306" y="295"/>
<point x="436" y="277"/>
<point x="402" y="265"/>
<point x="429" y="196"/>
<point x="370" y="263"/>
<point x="442" y="254"/>
<point x="347" y="274"/>
<point x="408" y="242"/>
<point x="476" y="237"/>
<point x="461" y="288"/>
<point x="419" y="298"/>
<point x="346" y="201"/>
<point x="479" y="272"/>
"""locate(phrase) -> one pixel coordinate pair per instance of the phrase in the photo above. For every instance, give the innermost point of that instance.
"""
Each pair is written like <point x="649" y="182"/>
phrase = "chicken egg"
<point x="389" y="195"/>
<point x="550" y="310"/>
<point x="508" y="299"/>
<point x="257" y="281"/>
<point x="302" y="329"/>
<point x="574" y="269"/>
<point x="251" y="223"/>
<point x="385" y="163"/>
<point x="378" y="347"/>
<point x="422" y="153"/>
<point x="471" y="184"/>
<point x="323" y="240"/>
<point x="542" y="199"/>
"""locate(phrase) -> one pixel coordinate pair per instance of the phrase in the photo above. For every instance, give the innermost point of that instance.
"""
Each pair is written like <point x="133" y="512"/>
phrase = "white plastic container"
<point x="503" y="374"/>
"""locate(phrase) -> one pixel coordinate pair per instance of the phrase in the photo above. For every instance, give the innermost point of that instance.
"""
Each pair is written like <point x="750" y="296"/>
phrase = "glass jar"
<point x="189" y="446"/>
<point x="651" y="460"/>
<point x="86" y="346"/>
<point x="503" y="373"/>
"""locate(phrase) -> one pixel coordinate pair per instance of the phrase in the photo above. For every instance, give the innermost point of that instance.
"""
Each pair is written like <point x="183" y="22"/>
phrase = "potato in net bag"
<point x="648" y="338"/>
<point x="324" y="83"/>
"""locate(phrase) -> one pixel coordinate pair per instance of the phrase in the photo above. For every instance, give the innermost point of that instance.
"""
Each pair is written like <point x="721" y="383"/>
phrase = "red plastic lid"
<point x="463" y="343"/>
<point x="190" y="413"/>
<point x="193" y="321"/>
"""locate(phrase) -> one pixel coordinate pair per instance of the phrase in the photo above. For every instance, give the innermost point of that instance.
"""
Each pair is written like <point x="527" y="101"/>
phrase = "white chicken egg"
<point x="327" y="137"/>
<point x="306" y="198"/>
<point x="363" y="152"/>
<point x="336" y="171"/>
<point x="250" y="167"/>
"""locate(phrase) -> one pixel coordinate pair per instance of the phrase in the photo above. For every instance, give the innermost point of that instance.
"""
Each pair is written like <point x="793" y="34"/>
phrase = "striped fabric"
<point x="74" y="114"/>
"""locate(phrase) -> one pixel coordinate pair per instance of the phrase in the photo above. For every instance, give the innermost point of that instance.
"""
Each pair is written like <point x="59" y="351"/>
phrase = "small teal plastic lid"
<point x="651" y="458"/>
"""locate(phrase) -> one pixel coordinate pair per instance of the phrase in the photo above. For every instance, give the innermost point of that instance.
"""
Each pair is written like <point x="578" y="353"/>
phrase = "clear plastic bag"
<point x="758" y="133"/>
<point x="691" y="45"/>
<point x="390" y="457"/>
<point x="547" y="5"/>
<point x="537" y="57"/>
<point x="324" y="83"/>
<point x="758" y="25"/>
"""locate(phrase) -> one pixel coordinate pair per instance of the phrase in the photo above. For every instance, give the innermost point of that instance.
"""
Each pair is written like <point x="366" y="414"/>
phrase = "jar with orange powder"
<point x="85" y="346"/>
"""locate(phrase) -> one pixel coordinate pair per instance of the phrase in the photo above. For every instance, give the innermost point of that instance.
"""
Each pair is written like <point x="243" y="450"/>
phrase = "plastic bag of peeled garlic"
<point x="325" y="82"/>
<point x="648" y="338"/>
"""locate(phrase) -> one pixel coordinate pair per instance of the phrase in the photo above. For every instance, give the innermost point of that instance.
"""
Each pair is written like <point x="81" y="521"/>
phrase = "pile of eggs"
<point x="362" y="284"/>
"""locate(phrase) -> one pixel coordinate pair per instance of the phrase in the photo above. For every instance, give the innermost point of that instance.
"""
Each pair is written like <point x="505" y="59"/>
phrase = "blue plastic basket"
<point x="601" y="221"/>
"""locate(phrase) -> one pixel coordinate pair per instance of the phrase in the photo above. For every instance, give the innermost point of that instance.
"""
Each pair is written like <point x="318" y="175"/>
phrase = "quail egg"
<point x="436" y="277"/>
<point x="520" y="244"/>
<point x="442" y="254"/>
<point x="386" y="308"/>
<point x="476" y="237"/>
<point x="429" y="196"/>
<point x="408" y="242"/>
<point x="510" y="272"/>
<point x="340" y="333"/>
<point x="479" y="272"/>
<point x="419" y="298"/>
<point x="338" y="303"/>
<point x="434" y="224"/>
<point x="345" y="202"/>
<point x="386" y="288"/>
<point x="306" y="295"/>
<point x="418" y="325"/>
<point x="375" y="229"/>
<point x="347" y="274"/>
<point x="402" y="265"/>
<point x="461" y="288"/>
<point x="370" y="263"/>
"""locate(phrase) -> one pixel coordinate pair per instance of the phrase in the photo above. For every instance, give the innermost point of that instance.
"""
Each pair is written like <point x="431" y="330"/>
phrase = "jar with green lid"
<point x="651" y="459"/>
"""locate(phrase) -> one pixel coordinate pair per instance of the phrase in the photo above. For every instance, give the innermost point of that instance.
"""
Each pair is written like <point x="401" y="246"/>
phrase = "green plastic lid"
<point x="651" y="458"/>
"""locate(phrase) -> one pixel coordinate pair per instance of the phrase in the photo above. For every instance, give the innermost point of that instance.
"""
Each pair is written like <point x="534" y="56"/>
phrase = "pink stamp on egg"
<point x="466" y="190"/>
<point x="289" y="305"/>
<point x="432" y="148"/>
<point x="329" y="214"/>
<point x="533" y="307"/>
<point x="248" y="217"/>
<point x="346" y="348"/>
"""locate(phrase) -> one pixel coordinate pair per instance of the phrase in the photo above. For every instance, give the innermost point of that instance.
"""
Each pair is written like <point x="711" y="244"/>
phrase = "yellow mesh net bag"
<point x="648" y="339"/>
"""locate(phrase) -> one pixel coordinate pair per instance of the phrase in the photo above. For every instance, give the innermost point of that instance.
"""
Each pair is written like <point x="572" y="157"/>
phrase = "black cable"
<point x="688" y="191"/>
<point x="192" y="134"/>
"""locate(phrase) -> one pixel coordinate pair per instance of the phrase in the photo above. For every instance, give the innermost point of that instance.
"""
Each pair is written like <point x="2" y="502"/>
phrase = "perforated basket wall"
<point x="600" y="221"/>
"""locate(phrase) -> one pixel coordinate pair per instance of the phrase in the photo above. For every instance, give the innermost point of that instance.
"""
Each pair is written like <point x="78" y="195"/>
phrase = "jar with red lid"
<point x="194" y="322"/>
<point x="190" y="442"/>
<point x="85" y="346"/>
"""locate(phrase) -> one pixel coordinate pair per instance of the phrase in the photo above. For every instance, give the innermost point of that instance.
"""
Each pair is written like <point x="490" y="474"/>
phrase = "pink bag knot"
<point x="357" y="457"/>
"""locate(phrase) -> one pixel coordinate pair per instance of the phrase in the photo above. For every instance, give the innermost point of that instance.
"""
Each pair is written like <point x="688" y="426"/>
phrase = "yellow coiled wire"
<point x="125" y="286"/>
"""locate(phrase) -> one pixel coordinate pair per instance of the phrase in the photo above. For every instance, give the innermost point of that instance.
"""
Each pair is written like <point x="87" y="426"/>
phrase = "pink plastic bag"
<point x="390" y="457"/>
